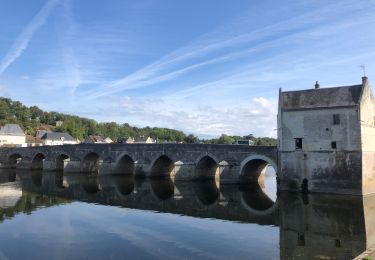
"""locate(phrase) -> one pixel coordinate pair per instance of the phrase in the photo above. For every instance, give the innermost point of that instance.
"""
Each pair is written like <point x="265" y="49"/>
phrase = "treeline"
<point x="227" y="139"/>
<point x="33" y="118"/>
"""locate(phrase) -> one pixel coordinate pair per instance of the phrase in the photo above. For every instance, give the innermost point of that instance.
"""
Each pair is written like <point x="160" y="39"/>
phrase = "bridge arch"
<point x="253" y="167"/>
<point x="125" y="165"/>
<point x="61" y="161"/>
<point x="37" y="161"/>
<point x="162" y="167"/>
<point x="207" y="167"/>
<point x="14" y="159"/>
<point x="91" y="163"/>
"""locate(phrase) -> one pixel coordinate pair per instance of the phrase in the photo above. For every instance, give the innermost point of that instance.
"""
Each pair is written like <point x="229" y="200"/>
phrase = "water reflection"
<point x="36" y="177"/>
<point x="123" y="184"/>
<point x="207" y="191"/>
<point x="162" y="188"/>
<point x="90" y="184"/>
<point x="254" y="198"/>
<point x="7" y="175"/>
<point x="305" y="227"/>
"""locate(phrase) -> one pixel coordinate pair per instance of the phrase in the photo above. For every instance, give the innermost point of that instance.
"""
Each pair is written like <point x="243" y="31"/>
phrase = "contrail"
<point x="24" y="38"/>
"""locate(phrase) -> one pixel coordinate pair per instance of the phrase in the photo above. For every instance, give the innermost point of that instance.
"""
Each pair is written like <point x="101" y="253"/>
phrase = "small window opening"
<point x="338" y="243"/>
<point x="333" y="145"/>
<point x="301" y="240"/>
<point x="336" y="119"/>
<point x="298" y="143"/>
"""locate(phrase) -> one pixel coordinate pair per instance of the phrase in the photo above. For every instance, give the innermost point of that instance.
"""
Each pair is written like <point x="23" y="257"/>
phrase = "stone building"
<point x="12" y="135"/>
<point x="326" y="139"/>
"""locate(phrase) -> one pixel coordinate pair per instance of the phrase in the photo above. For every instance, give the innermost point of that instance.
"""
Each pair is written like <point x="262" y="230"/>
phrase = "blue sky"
<point x="204" y="67"/>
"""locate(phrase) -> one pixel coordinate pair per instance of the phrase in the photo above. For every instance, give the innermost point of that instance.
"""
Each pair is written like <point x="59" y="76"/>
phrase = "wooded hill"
<point x="33" y="118"/>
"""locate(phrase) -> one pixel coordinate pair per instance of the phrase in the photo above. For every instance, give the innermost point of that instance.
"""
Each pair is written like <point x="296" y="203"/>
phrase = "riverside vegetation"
<point x="33" y="118"/>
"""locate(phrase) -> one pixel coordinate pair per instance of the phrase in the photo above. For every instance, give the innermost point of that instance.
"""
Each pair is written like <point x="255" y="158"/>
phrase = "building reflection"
<point x="311" y="226"/>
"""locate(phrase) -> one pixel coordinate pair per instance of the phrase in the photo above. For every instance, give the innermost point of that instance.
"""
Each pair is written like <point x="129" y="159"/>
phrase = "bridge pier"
<point x="25" y="164"/>
<point x="183" y="171"/>
<point x="229" y="174"/>
<point x="72" y="167"/>
<point x="107" y="168"/>
<point x="8" y="166"/>
<point x="49" y="165"/>
<point x="141" y="169"/>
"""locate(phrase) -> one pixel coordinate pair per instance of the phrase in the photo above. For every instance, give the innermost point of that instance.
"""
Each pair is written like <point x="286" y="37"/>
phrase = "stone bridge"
<point x="227" y="163"/>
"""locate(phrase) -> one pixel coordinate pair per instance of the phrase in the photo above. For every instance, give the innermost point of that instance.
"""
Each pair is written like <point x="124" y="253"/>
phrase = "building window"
<point x="301" y="240"/>
<point x="336" y="119"/>
<point x="333" y="145"/>
<point x="298" y="143"/>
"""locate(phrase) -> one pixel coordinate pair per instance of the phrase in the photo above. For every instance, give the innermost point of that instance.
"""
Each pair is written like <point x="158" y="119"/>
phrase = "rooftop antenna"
<point x="363" y="67"/>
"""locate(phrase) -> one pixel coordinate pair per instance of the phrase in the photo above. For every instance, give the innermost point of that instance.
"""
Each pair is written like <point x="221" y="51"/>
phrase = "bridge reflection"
<point x="323" y="226"/>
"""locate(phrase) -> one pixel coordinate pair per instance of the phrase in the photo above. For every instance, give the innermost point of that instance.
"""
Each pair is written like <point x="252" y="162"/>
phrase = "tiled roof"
<point x="322" y="97"/>
<point x="11" y="129"/>
<point x="57" y="136"/>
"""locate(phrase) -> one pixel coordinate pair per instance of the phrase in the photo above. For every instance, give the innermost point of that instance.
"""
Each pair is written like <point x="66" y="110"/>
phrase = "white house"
<point x="12" y="134"/>
<point x="97" y="139"/>
<point x="54" y="138"/>
<point x="144" y="140"/>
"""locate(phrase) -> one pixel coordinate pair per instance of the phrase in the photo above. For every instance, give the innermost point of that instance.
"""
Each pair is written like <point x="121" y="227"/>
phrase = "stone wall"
<point x="318" y="166"/>
<point x="367" y="121"/>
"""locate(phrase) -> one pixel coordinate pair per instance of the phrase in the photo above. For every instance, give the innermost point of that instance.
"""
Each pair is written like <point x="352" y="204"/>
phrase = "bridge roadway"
<point x="227" y="163"/>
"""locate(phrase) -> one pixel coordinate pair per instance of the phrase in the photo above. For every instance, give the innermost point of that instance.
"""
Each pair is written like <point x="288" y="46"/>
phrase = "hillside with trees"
<point x="33" y="118"/>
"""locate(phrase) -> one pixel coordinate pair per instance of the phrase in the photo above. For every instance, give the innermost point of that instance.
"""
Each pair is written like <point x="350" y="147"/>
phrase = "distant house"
<point x="40" y="133"/>
<point x="58" y="123"/>
<point x="245" y="142"/>
<point x="13" y="135"/>
<point x="144" y="140"/>
<point x="33" y="141"/>
<point x="125" y="140"/>
<point x="54" y="138"/>
<point x="97" y="139"/>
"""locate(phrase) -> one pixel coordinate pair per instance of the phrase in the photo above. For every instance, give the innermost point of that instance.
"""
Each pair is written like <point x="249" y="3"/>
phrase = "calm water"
<point x="51" y="216"/>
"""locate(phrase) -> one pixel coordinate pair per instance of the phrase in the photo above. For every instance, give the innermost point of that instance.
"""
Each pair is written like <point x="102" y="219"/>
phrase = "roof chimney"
<point x="364" y="80"/>
<point x="317" y="85"/>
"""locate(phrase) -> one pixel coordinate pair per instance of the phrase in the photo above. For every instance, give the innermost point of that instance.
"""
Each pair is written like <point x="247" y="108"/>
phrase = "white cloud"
<point x="237" y="40"/>
<point x="24" y="38"/>
<point x="257" y="116"/>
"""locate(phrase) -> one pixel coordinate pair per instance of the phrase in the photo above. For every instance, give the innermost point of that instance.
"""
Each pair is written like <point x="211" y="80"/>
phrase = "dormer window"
<point x="336" y="119"/>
